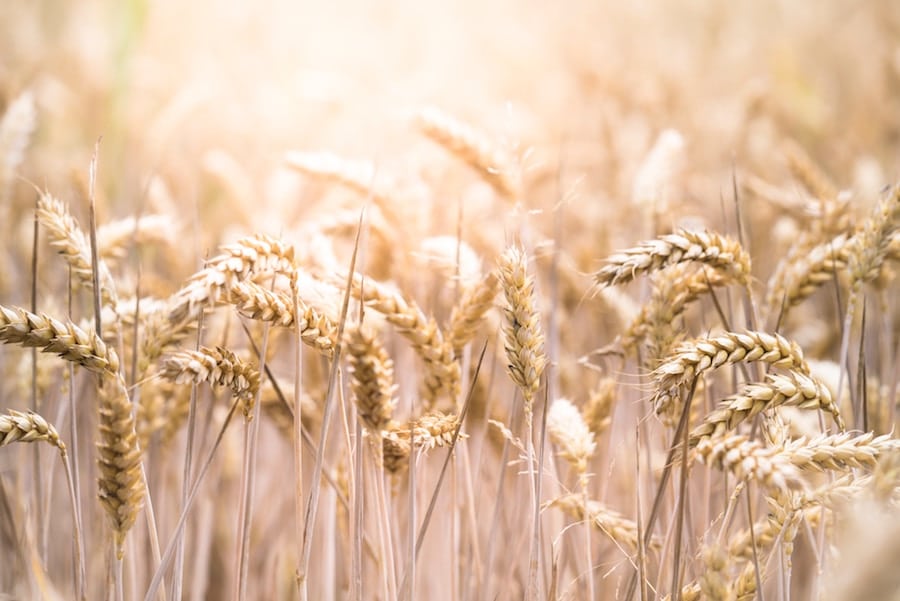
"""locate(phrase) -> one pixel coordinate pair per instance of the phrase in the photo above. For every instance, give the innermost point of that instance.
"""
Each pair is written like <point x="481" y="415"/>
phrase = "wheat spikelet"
<point x="570" y="433"/>
<point x="713" y="585"/>
<point x="795" y="389"/>
<point x="710" y="248"/>
<point x="473" y="148"/>
<point x="67" y="237"/>
<point x="442" y="370"/>
<point x="218" y="366"/>
<point x="121" y="483"/>
<point x="372" y="379"/>
<point x="256" y="302"/>
<point x="468" y="314"/>
<point x="16" y="127"/>
<point x="748" y="459"/>
<point x="694" y="357"/>
<point x="236" y="263"/>
<point x="522" y="333"/>
<point x="18" y="426"/>
<point x="613" y="524"/>
<point x="18" y="326"/>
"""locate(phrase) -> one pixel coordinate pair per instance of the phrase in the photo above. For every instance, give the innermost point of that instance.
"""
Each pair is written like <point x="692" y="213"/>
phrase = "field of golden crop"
<point x="449" y="300"/>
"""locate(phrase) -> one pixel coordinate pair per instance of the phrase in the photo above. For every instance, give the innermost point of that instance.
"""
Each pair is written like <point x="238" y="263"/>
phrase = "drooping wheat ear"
<point x="257" y="302"/>
<point x="570" y="434"/>
<point x="794" y="389"/>
<point x="710" y="248"/>
<point x="121" y="483"/>
<point x="218" y="366"/>
<point x="236" y="263"/>
<point x="523" y="337"/>
<point x="673" y="290"/>
<point x="611" y="523"/>
<point x="598" y="409"/>
<point x="840" y="451"/>
<point x="371" y="379"/>
<point x="490" y="160"/>
<point x="18" y="426"/>
<point x="435" y="430"/>
<point x="67" y="237"/>
<point x="18" y="326"/>
<point x="157" y="333"/>
<point x="468" y="315"/>
<point x="808" y="173"/>
<point x="442" y="370"/>
<point x="870" y="244"/>
<point x="16" y="127"/>
<point x="694" y="357"/>
<point x="114" y="238"/>
<point x="748" y="459"/>
<point x="798" y="277"/>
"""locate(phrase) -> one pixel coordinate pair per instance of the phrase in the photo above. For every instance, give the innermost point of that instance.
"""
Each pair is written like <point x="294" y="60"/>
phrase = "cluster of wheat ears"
<point x="440" y="433"/>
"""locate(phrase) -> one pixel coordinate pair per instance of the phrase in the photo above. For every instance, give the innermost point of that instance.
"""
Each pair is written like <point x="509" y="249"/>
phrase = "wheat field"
<point x="449" y="301"/>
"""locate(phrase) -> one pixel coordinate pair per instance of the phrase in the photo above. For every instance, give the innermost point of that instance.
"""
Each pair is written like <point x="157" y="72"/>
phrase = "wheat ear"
<point x="694" y="357"/>
<point x="236" y="263"/>
<point x="443" y="372"/>
<point x="67" y="237"/>
<point x="748" y="459"/>
<point x="218" y="366"/>
<point x="571" y="435"/>
<point x="522" y="334"/>
<point x="18" y="326"/>
<point x="611" y="523"/>
<point x="472" y="147"/>
<point x="371" y="379"/>
<point x="468" y="314"/>
<point x="18" y="426"/>
<point x="710" y="248"/>
<point x="16" y="127"/>
<point x="795" y="389"/>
